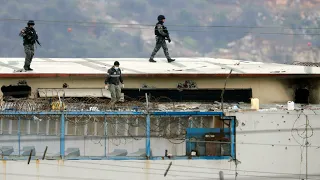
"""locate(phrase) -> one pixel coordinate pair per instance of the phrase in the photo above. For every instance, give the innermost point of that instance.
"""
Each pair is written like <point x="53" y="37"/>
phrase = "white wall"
<point x="92" y="146"/>
<point x="270" y="141"/>
<point x="265" y="149"/>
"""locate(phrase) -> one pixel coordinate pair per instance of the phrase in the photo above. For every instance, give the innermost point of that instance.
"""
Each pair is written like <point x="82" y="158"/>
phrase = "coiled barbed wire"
<point x="48" y="100"/>
<point x="121" y="128"/>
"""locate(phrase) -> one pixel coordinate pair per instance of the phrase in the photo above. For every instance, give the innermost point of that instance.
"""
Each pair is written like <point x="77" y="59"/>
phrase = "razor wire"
<point x="53" y="100"/>
<point x="116" y="126"/>
<point x="120" y="129"/>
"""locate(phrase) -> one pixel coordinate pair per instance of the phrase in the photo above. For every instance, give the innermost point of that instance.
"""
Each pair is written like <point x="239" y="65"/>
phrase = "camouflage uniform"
<point x="29" y="51"/>
<point x="30" y="37"/>
<point x="161" y="33"/>
<point x="160" y="42"/>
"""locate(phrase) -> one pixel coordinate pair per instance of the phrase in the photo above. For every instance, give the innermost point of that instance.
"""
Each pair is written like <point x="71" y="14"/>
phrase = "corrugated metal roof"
<point x="52" y="67"/>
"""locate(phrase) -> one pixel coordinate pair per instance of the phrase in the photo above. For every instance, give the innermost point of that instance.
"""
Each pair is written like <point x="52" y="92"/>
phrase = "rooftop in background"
<point x="64" y="67"/>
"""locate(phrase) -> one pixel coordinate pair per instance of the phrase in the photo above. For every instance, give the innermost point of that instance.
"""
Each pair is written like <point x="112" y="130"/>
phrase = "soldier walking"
<point x="162" y="35"/>
<point x="30" y="37"/>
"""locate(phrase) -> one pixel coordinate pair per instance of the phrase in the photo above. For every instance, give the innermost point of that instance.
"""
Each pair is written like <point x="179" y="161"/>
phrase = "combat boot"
<point x="152" y="60"/>
<point x="28" y="69"/>
<point x="170" y="60"/>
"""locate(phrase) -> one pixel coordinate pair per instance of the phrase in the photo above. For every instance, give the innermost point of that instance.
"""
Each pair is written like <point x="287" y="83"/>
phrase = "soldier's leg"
<point x="156" y="48"/>
<point x="32" y="54"/>
<point x="118" y="92"/>
<point x="166" y="52"/>
<point x="113" y="94"/>
<point x="29" y="55"/>
<point x="165" y="49"/>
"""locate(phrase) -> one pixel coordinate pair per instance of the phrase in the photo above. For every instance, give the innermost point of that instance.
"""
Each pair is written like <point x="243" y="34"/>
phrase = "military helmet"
<point x="161" y="17"/>
<point x="30" y="22"/>
<point x="116" y="63"/>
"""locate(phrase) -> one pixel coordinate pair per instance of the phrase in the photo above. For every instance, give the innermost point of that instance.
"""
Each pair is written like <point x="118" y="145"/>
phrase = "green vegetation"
<point x="104" y="40"/>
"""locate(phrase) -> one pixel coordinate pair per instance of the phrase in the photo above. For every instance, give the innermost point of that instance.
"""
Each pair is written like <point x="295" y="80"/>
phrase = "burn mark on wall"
<point x="304" y="90"/>
<point x="145" y="86"/>
<point x="302" y="95"/>
<point x="21" y="90"/>
<point x="193" y="95"/>
<point x="188" y="84"/>
<point x="65" y="85"/>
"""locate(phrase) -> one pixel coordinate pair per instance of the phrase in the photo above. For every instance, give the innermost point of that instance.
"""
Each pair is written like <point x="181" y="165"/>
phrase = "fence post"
<point x="221" y="176"/>
<point x="19" y="133"/>
<point x="62" y="135"/>
<point x="233" y="126"/>
<point x="148" y="136"/>
<point x="105" y="135"/>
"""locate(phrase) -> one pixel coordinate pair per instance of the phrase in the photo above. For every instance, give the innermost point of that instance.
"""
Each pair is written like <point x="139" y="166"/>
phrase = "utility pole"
<point x="307" y="144"/>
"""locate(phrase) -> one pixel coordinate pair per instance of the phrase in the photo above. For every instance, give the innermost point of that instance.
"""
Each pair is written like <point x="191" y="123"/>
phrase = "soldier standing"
<point x="30" y="37"/>
<point x="162" y="35"/>
<point x="112" y="82"/>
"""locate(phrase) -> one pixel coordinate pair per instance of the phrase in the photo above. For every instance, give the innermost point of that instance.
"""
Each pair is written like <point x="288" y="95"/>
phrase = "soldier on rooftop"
<point x="162" y="35"/>
<point x="30" y="37"/>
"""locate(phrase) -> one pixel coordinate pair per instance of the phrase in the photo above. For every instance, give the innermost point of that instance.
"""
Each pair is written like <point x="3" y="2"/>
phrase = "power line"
<point x="152" y="25"/>
<point x="126" y="171"/>
<point x="145" y="26"/>
<point x="159" y="169"/>
<point x="195" y="167"/>
<point x="80" y="137"/>
<point x="172" y="170"/>
<point x="51" y="177"/>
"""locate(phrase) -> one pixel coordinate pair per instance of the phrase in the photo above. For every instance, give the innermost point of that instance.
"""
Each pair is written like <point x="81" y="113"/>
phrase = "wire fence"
<point x="99" y="133"/>
<point x="86" y="126"/>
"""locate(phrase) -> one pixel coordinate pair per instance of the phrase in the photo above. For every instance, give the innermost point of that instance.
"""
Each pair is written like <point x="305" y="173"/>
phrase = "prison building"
<point x="202" y="79"/>
<point x="195" y="118"/>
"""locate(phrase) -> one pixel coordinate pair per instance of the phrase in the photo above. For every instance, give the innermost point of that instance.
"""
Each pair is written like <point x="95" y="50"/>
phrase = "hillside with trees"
<point x="261" y="30"/>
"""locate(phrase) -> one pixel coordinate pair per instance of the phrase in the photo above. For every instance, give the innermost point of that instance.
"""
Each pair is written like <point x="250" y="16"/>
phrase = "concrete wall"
<point x="268" y="90"/>
<point x="268" y="147"/>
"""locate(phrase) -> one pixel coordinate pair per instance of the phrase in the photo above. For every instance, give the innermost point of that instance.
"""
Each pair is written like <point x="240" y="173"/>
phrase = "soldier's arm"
<point x="160" y="30"/>
<point x="22" y="33"/>
<point x="166" y="31"/>
<point x="120" y="78"/>
<point x="36" y="38"/>
<point x="107" y="80"/>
